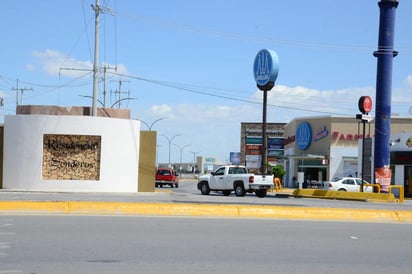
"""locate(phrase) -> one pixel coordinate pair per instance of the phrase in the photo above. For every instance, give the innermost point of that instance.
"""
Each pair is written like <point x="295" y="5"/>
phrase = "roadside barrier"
<point x="401" y="192"/>
<point x="378" y="186"/>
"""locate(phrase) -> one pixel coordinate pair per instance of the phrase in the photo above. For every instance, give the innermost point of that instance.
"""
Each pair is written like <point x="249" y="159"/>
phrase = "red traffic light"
<point x="365" y="104"/>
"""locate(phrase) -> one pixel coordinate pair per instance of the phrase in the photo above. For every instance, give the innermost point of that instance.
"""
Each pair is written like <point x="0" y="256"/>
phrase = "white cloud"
<point x="409" y="80"/>
<point x="54" y="63"/>
<point x="161" y="110"/>
<point x="30" y="67"/>
<point x="299" y="101"/>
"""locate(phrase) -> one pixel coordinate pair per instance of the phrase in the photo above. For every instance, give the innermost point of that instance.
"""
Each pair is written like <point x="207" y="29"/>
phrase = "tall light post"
<point x="194" y="160"/>
<point x="149" y="126"/>
<point x="181" y="150"/>
<point x="170" y="142"/>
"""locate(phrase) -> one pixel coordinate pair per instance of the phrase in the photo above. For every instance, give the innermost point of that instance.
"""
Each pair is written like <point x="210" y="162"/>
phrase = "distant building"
<point x="251" y="144"/>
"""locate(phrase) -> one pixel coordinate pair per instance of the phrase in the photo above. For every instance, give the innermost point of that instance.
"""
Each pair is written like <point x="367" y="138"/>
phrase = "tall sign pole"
<point x="365" y="106"/>
<point x="385" y="55"/>
<point x="265" y="71"/>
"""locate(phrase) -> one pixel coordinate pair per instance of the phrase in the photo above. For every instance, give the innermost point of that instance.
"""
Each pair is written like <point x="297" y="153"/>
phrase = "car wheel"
<point x="261" y="193"/>
<point x="227" y="192"/>
<point x="240" y="190"/>
<point x="204" y="189"/>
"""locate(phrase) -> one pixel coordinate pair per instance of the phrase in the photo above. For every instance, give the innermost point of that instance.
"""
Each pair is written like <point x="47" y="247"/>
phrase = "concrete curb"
<point x="343" y="195"/>
<point x="204" y="210"/>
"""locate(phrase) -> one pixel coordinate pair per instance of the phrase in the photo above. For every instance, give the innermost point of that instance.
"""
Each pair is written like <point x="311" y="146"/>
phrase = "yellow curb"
<point x="206" y="210"/>
<point x="30" y="206"/>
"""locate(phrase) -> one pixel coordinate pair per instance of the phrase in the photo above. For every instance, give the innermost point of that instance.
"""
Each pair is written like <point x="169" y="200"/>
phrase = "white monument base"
<point x="70" y="153"/>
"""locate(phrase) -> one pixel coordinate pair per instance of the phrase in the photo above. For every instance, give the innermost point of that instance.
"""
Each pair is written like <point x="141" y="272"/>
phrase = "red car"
<point x="166" y="176"/>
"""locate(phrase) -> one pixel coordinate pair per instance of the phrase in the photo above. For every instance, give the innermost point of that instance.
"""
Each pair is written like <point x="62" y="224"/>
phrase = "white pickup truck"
<point x="235" y="178"/>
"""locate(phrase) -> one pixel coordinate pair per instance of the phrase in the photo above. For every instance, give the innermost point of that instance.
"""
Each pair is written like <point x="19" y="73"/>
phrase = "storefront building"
<point x="325" y="147"/>
<point x="401" y="160"/>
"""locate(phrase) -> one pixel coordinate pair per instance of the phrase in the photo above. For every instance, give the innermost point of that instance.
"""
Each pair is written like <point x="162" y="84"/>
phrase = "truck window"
<point x="237" y="170"/>
<point x="220" y="171"/>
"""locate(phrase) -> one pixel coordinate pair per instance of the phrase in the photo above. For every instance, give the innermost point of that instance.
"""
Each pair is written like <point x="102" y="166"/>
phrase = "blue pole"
<point x="385" y="54"/>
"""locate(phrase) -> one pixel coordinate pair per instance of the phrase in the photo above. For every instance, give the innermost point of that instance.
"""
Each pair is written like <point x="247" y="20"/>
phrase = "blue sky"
<point x="190" y="62"/>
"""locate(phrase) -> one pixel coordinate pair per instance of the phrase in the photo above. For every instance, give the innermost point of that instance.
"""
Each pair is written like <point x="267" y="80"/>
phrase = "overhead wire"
<point x="167" y="24"/>
<point x="308" y="108"/>
<point x="86" y="24"/>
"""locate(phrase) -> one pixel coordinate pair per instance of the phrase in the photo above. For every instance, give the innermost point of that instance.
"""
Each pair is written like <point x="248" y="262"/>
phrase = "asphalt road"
<point x="130" y="244"/>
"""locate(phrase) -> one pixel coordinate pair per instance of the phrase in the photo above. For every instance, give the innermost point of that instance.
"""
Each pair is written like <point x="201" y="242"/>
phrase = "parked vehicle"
<point x="166" y="176"/>
<point x="348" y="184"/>
<point x="235" y="178"/>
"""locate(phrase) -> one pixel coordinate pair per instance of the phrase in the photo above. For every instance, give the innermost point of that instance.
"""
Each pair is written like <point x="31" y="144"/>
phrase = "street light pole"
<point x="149" y="126"/>
<point x="170" y="142"/>
<point x="194" y="160"/>
<point x="181" y="150"/>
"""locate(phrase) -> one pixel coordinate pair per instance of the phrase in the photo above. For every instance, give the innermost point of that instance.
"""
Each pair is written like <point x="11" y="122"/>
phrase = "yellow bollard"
<point x="278" y="184"/>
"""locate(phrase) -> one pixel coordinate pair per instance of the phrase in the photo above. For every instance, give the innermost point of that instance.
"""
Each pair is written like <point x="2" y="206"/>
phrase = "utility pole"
<point x="96" y="59"/>
<point x="97" y="9"/>
<point x="17" y="89"/>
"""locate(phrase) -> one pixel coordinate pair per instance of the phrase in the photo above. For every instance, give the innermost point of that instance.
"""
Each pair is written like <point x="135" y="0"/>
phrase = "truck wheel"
<point x="261" y="193"/>
<point x="171" y="185"/>
<point x="176" y="185"/>
<point x="227" y="192"/>
<point x="204" y="189"/>
<point x="240" y="190"/>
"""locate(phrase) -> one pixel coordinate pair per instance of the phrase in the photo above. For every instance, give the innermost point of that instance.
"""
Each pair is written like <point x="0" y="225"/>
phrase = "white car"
<point x="348" y="184"/>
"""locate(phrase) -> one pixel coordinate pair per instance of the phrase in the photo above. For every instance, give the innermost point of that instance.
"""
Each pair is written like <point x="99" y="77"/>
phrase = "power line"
<point x="183" y="88"/>
<point x="252" y="38"/>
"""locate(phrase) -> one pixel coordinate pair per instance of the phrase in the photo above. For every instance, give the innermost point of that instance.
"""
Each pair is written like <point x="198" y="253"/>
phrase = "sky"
<point x="187" y="66"/>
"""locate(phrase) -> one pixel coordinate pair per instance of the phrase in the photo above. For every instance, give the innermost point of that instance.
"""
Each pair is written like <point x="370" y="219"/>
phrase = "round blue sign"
<point x="266" y="67"/>
<point x="303" y="135"/>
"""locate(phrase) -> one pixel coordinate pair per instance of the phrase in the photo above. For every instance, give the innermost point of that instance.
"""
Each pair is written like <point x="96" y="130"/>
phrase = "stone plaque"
<point x="71" y="157"/>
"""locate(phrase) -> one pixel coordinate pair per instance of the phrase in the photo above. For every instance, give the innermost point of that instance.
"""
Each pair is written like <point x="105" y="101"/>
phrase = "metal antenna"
<point x="119" y="93"/>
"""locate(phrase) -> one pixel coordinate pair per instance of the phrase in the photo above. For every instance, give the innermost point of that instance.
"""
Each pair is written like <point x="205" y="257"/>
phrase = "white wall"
<point x="336" y="162"/>
<point x="23" y="148"/>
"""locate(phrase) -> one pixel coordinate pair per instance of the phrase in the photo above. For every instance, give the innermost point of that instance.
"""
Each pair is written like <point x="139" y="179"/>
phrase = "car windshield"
<point x="359" y="181"/>
<point x="337" y="179"/>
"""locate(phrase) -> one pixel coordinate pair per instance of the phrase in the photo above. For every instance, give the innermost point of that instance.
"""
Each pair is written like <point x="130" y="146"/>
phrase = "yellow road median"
<point x="204" y="210"/>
